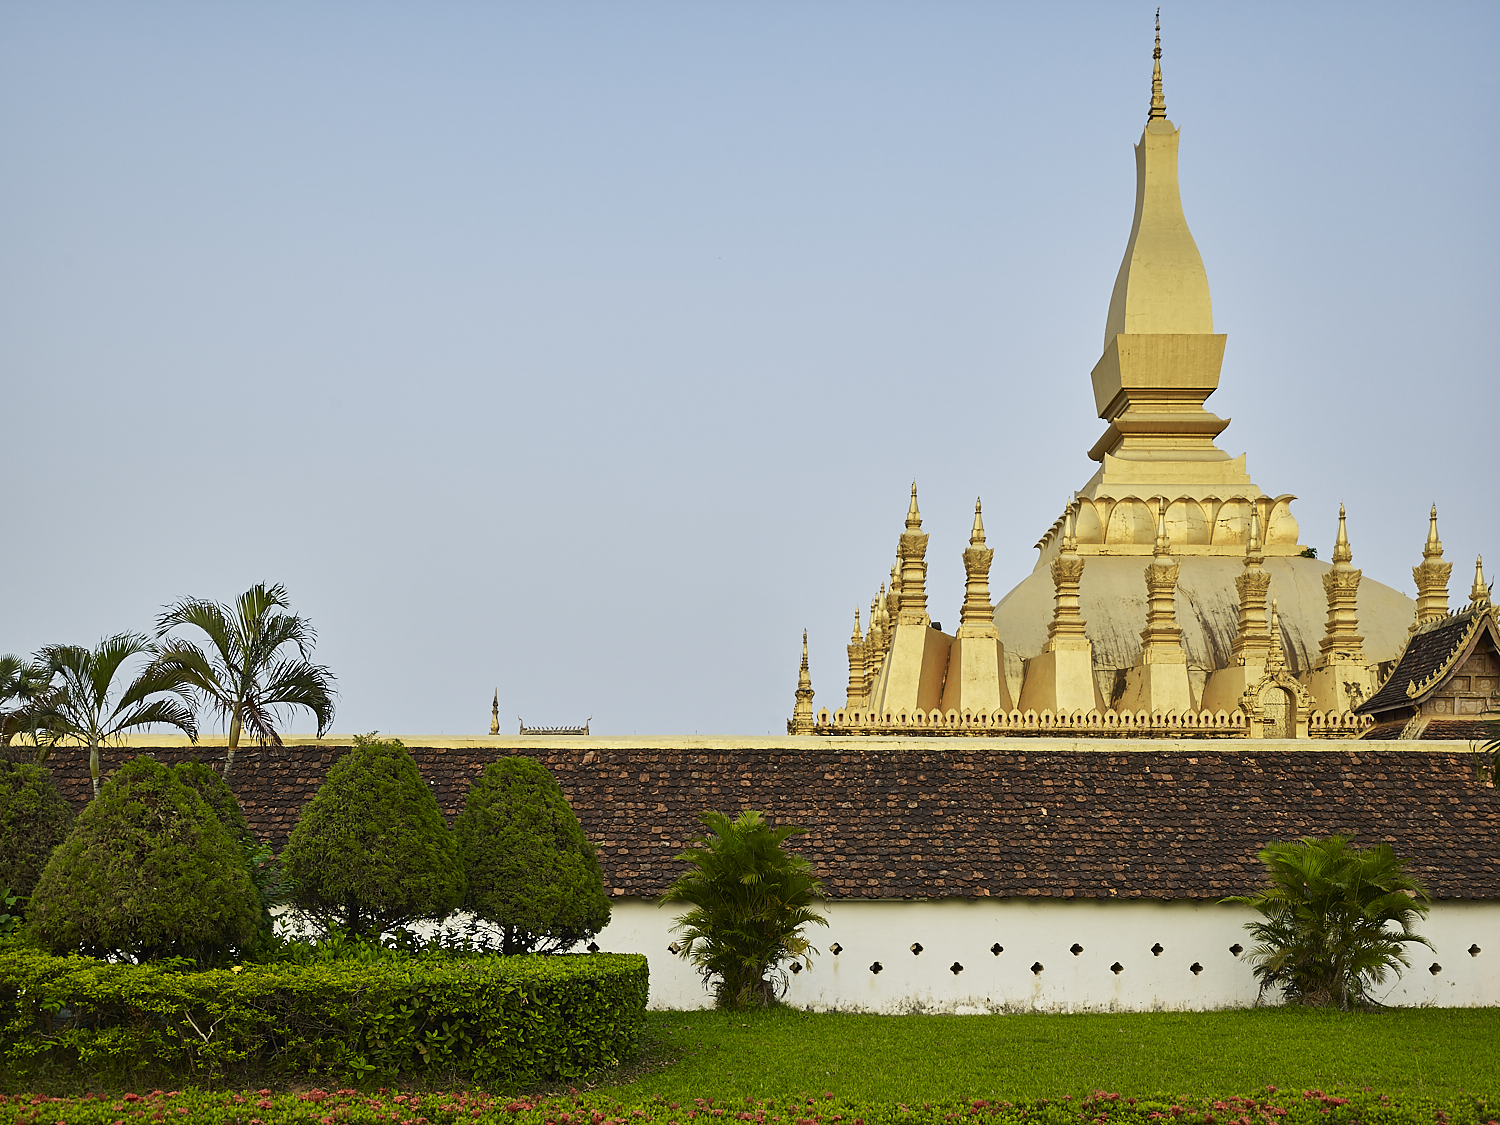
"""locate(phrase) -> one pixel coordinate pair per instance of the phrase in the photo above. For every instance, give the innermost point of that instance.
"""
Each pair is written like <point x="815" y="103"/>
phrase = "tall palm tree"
<point x="1335" y="919"/>
<point x="23" y="684"/>
<point x="81" y="704"/>
<point x="243" y="673"/>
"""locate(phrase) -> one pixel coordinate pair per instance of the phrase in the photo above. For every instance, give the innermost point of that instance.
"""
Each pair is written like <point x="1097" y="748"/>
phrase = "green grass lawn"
<point x="1435" y="1052"/>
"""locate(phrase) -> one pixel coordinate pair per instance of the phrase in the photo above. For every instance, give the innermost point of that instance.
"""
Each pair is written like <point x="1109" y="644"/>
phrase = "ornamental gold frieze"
<point x="1197" y="525"/>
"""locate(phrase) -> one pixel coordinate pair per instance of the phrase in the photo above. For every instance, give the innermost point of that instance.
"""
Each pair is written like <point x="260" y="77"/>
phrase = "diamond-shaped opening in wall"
<point x="1475" y="951"/>
<point x="835" y="949"/>
<point x="1195" y="968"/>
<point x="1075" y="949"/>
<point x="1236" y="949"/>
<point x="876" y="967"/>
<point x="916" y="948"/>
<point x="1036" y="967"/>
<point x="955" y="968"/>
<point x="674" y="949"/>
<point x="1117" y="968"/>
<point x="1157" y="950"/>
<point x="593" y="947"/>
<point x="796" y="967"/>
<point x="997" y="949"/>
<point x="1434" y="968"/>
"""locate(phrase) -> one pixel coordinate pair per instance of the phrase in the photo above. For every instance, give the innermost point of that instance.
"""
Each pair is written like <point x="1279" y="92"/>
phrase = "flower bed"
<point x="384" y="1106"/>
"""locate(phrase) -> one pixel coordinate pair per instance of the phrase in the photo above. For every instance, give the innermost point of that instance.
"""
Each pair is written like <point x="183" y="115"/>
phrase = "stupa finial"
<point x="802" y="721"/>
<point x="1070" y="528"/>
<point x="1434" y="546"/>
<point x="1253" y="548"/>
<point x="913" y="515"/>
<point x="976" y="536"/>
<point x="1158" y="99"/>
<point x="1479" y="593"/>
<point x="495" y="713"/>
<point x="859" y="632"/>
<point x="1163" y="541"/>
<point x="1341" y="551"/>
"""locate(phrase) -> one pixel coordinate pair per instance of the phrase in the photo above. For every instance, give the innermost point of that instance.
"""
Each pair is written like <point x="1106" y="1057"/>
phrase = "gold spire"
<point x="1252" y="641"/>
<point x="913" y="553"/>
<point x="1067" y="627"/>
<point x="977" y="615"/>
<point x="802" y="721"/>
<point x="1431" y="578"/>
<point x="1070" y="527"/>
<point x="1341" y="643"/>
<point x="495" y="713"/>
<point x="859" y="633"/>
<point x="1479" y="593"/>
<point x="1276" y="658"/>
<point x="1163" y="547"/>
<point x="1158" y="99"/>
<point x="857" y="648"/>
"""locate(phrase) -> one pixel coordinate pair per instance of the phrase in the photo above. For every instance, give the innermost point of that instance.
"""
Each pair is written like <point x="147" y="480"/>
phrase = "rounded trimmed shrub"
<point x="34" y="819"/>
<point x="371" y="850"/>
<point x="147" y="872"/>
<point x="530" y="869"/>
<point x="204" y="780"/>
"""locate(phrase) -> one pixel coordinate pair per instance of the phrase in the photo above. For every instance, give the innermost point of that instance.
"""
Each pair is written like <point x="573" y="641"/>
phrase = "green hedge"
<point x="495" y="1020"/>
<point x="350" y="1107"/>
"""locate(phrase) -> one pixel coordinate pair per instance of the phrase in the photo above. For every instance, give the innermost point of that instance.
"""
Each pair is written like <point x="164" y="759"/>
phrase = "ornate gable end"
<point x="1450" y="667"/>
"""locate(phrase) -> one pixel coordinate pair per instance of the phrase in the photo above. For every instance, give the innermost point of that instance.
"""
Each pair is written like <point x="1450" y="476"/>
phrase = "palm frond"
<point x="298" y="683"/>
<point x="168" y="711"/>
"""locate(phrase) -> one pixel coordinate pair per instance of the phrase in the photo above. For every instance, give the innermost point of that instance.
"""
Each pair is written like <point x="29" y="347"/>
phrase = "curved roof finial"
<point x="1158" y="99"/>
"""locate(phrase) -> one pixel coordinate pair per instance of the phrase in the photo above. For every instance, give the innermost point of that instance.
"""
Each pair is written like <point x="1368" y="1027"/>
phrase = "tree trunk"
<point x="94" y="764"/>
<point x="234" y="742"/>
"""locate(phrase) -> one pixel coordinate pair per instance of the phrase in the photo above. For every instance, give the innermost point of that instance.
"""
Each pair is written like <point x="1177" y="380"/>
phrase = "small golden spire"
<point x="1434" y="546"/>
<point x="859" y="632"/>
<point x="495" y="713"/>
<point x="1158" y="99"/>
<point x="1253" y="548"/>
<point x="802" y="721"/>
<point x="1070" y="530"/>
<point x="976" y="536"/>
<point x="1341" y="551"/>
<point x="1479" y="593"/>
<point x="1276" y="658"/>
<point x="913" y="516"/>
<point x="1431" y="577"/>
<point x="1163" y="541"/>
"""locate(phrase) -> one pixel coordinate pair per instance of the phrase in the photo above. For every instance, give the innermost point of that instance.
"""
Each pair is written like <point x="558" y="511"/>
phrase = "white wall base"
<point x="1044" y="931"/>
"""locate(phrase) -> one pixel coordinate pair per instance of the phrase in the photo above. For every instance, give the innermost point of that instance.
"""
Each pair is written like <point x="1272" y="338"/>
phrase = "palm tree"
<point x="750" y="900"/>
<point x="22" y="684"/>
<point x="244" y="674"/>
<point x="79" y="704"/>
<point x="1336" y="919"/>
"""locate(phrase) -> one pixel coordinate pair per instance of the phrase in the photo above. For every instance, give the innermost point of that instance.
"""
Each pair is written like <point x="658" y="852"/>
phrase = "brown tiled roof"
<point x="998" y="818"/>
<point x="1427" y="652"/>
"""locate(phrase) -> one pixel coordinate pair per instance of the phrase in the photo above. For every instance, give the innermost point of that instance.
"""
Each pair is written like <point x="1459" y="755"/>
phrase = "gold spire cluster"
<point x="1431" y="577"/>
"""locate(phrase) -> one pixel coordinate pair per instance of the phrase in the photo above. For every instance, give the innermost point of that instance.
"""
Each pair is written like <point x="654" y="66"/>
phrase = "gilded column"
<point x="802" y="721"/>
<point x="975" y="679"/>
<point x="1340" y="680"/>
<point x="913" y="552"/>
<point x="856" y="693"/>
<point x="1431" y="578"/>
<point x="1061" y="677"/>
<point x="1252" y="642"/>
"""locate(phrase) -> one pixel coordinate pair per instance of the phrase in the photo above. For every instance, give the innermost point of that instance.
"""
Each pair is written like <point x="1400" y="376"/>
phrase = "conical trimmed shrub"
<point x="34" y="819"/>
<point x="371" y="851"/>
<point x="530" y="869"/>
<point x="148" y="871"/>
<point x="211" y="786"/>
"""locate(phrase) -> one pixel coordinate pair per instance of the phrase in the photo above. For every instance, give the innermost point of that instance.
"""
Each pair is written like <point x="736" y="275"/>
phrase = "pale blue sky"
<point x="588" y="350"/>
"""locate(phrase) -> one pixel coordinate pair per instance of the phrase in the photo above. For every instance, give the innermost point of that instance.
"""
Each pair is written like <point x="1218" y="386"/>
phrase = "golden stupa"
<point x="1150" y="593"/>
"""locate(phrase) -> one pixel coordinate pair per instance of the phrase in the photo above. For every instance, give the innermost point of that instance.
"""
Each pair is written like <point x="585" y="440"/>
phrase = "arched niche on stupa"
<point x="1087" y="522"/>
<point x="1186" y="523"/>
<point x="1131" y="521"/>
<point x="1232" y="522"/>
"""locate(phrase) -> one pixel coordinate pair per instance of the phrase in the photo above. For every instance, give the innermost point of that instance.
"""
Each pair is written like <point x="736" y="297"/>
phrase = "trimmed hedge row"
<point x="351" y="1107"/>
<point x="495" y="1020"/>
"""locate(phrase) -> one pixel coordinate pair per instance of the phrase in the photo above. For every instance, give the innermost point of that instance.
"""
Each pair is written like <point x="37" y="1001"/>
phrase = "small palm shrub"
<point x="371" y="851"/>
<point x="750" y="900"/>
<point x="531" y="872"/>
<point x="1335" y="920"/>
<point x="34" y="819"/>
<point x="147" y="872"/>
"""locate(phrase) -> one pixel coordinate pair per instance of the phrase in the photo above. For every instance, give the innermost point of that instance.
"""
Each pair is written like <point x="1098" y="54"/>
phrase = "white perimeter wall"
<point x="1043" y="931"/>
